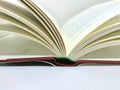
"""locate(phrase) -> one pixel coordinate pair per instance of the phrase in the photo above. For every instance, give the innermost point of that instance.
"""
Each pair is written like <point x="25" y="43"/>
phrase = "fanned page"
<point x="14" y="44"/>
<point x="76" y="28"/>
<point x="47" y="24"/>
<point x="61" y="11"/>
<point x="85" y="22"/>
<point x="20" y="23"/>
<point x="107" y="32"/>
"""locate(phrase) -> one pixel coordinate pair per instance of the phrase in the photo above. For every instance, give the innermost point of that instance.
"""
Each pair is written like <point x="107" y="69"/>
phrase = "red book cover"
<point x="53" y="61"/>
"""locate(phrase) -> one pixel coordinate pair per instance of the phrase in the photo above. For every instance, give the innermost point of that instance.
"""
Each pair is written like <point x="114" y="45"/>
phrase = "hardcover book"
<point x="64" y="32"/>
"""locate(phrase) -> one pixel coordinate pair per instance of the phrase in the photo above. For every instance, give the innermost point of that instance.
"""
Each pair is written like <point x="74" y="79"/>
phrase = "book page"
<point x="13" y="44"/>
<point x="60" y="11"/>
<point x="25" y="20"/>
<point x="85" y="22"/>
<point x="97" y="47"/>
<point x="23" y="16"/>
<point x="12" y="29"/>
<point x="103" y="30"/>
<point x="111" y="52"/>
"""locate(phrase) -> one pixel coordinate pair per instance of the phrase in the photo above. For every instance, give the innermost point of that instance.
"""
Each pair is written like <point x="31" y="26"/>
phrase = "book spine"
<point x="98" y="62"/>
<point x="53" y="61"/>
<point x="32" y="61"/>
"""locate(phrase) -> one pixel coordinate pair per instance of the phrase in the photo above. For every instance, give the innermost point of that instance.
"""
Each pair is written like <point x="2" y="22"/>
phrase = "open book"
<point x="62" y="28"/>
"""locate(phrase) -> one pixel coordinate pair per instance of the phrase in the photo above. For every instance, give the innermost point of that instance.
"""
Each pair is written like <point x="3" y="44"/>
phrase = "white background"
<point x="60" y="78"/>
